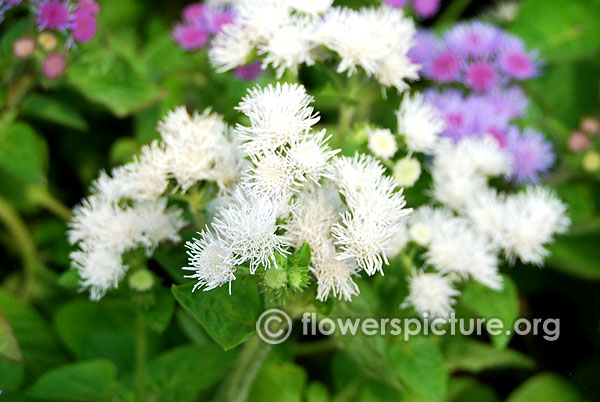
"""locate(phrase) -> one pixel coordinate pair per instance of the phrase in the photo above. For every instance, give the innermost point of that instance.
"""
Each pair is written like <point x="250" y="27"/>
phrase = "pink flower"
<point x="84" y="26"/>
<point x="248" y="72"/>
<point x="89" y="5"/>
<point x="54" y="65"/>
<point x="23" y="47"/>
<point x="194" y="12"/>
<point x="53" y="15"/>
<point x="578" y="142"/>
<point x="426" y="8"/>
<point x="395" y="3"/>
<point x="445" y="67"/>
<point x="481" y="76"/>
<point x="217" y="20"/>
<point x="517" y="64"/>
<point x="190" y="37"/>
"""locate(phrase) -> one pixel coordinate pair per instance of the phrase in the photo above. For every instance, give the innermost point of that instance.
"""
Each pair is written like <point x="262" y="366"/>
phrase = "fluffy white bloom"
<point x="195" y="147"/>
<point x="486" y="155"/>
<point x="311" y="6"/>
<point x="333" y="275"/>
<point x="395" y="70"/>
<point x="210" y="259"/>
<point x="531" y="220"/>
<point x="369" y="38"/>
<point x="157" y="223"/>
<point x="424" y="221"/>
<point x="419" y="123"/>
<point x="454" y="188"/>
<point x="310" y="156"/>
<point x="432" y="294"/>
<point x="407" y="171"/>
<point x="99" y="268"/>
<point x="278" y="115"/>
<point x="382" y="142"/>
<point x="230" y="48"/>
<point x="262" y="18"/>
<point x="398" y="241"/>
<point x="272" y="177"/>
<point x="248" y="226"/>
<point x="486" y="211"/>
<point x="290" y="46"/>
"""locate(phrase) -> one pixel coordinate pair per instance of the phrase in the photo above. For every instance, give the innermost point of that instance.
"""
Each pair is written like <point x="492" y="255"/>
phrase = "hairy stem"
<point x="237" y="386"/>
<point x="25" y="244"/>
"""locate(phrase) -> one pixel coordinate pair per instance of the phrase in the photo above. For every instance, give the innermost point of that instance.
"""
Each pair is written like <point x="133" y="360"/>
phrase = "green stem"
<point x="344" y="123"/>
<point x="42" y="197"/>
<point x="25" y="244"/>
<point x="140" y="348"/>
<point x="452" y="12"/>
<point x="237" y="387"/>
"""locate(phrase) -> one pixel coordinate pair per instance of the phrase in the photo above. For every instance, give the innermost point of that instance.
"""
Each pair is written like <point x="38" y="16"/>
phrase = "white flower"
<point x="310" y="156"/>
<point x="157" y="222"/>
<point x="419" y="123"/>
<point x="333" y="275"/>
<point x="248" y="226"/>
<point x="210" y="259"/>
<point x="272" y="177"/>
<point x="486" y="155"/>
<point x="290" y="46"/>
<point x="432" y="294"/>
<point x="407" y="171"/>
<point x="100" y="269"/>
<point x="311" y="6"/>
<point x="454" y="188"/>
<point x="398" y="241"/>
<point x="278" y="115"/>
<point x="395" y="70"/>
<point x="424" y="221"/>
<point x="382" y="142"/>
<point x="531" y="220"/>
<point x="262" y="18"/>
<point x="486" y="211"/>
<point x="230" y="48"/>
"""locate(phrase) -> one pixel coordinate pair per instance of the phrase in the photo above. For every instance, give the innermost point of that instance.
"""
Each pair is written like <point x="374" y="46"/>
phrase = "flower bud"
<point x="47" y="41"/>
<point x="141" y="280"/>
<point x="407" y="171"/>
<point x="590" y="125"/>
<point x="578" y="142"/>
<point x="591" y="161"/>
<point x="23" y="47"/>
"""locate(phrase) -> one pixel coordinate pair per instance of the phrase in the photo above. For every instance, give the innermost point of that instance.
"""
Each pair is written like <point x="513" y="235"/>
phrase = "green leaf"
<point x="466" y="354"/>
<point x="420" y="364"/>
<point x="52" y="110"/>
<point x="21" y="153"/>
<point x="576" y="255"/>
<point x="108" y="79"/>
<point x="159" y="315"/>
<point x="561" y="30"/>
<point x="481" y="301"/>
<point x="179" y="374"/>
<point x="301" y="257"/>
<point x="466" y="389"/>
<point x="85" y="381"/>
<point x="11" y="375"/>
<point x="69" y="279"/>
<point x="317" y="392"/>
<point x="9" y="347"/>
<point x="37" y="341"/>
<point x="228" y="319"/>
<point x="545" y="387"/>
<point x="278" y="381"/>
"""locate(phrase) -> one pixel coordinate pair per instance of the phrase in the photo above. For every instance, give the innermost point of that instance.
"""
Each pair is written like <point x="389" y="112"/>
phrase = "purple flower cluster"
<point x="423" y="8"/>
<point x="478" y="55"/>
<point x="199" y="23"/>
<point x="6" y="5"/>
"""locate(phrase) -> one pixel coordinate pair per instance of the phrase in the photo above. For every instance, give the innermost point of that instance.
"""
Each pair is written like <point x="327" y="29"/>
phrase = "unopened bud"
<point x="578" y="142"/>
<point x="23" y="47"/>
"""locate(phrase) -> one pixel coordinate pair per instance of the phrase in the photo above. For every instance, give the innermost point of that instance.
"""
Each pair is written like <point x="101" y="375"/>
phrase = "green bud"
<point x="275" y="278"/>
<point x="141" y="280"/>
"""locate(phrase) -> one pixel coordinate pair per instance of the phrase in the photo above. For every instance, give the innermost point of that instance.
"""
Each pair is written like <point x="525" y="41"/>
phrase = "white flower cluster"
<point x="466" y="235"/>
<point x="288" y="33"/>
<point x="289" y="195"/>
<point x="125" y="209"/>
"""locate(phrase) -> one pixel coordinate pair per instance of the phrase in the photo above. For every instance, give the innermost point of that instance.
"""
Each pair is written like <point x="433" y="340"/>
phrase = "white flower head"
<point x="407" y="171"/>
<point x="432" y="294"/>
<point x="157" y="222"/>
<point x="278" y="115"/>
<point x="272" y="177"/>
<point x="334" y="276"/>
<point x="230" y="48"/>
<point x="419" y="123"/>
<point x="382" y="142"/>
<point x="310" y="156"/>
<point x="100" y="269"/>
<point x="210" y="259"/>
<point x="486" y="155"/>
<point x="486" y="211"/>
<point x="532" y="218"/>
<point x="262" y="19"/>
<point x="311" y="7"/>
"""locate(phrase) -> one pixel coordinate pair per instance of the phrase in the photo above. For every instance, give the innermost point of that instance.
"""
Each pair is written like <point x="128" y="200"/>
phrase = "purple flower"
<point x="458" y="114"/>
<point x="194" y="12"/>
<point x="84" y="26"/>
<point x="54" y="65"/>
<point x="248" y="72"/>
<point x="481" y="76"/>
<point x="445" y="67"/>
<point x="395" y="3"/>
<point x="217" y="19"/>
<point x="426" y="8"/>
<point x="190" y="37"/>
<point x="474" y="39"/>
<point x="426" y="46"/>
<point x="53" y="15"/>
<point x="532" y="154"/>
<point x="88" y="5"/>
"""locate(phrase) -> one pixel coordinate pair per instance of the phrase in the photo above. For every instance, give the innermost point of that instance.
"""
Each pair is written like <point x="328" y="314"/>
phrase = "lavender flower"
<point x="423" y="8"/>
<point x="532" y="154"/>
<point x="200" y="21"/>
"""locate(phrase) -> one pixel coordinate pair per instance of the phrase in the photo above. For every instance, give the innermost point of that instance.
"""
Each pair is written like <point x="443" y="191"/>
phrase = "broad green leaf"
<point x="561" y="30"/>
<point x="420" y="364"/>
<point x="467" y="389"/>
<point x="22" y="153"/>
<point x="545" y="387"/>
<point x="376" y="392"/>
<point x="108" y="79"/>
<point x="158" y="316"/>
<point x="9" y="347"/>
<point x="69" y="279"/>
<point x="11" y="375"/>
<point x="84" y="381"/>
<point x="576" y="255"/>
<point x="466" y="354"/>
<point x="317" y="392"/>
<point x="481" y="301"/>
<point x="93" y="330"/>
<point x="179" y="374"/>
<point x="37" y="341"/>
<point x="228" y="319"/>
<point x="279" y="381"/>
<point x="11" y="32"/>
<point x="52" y="110"/>
<point x="301" y="257"/>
